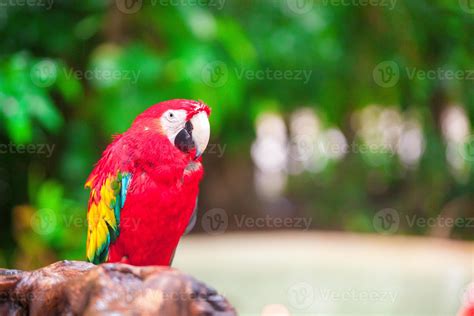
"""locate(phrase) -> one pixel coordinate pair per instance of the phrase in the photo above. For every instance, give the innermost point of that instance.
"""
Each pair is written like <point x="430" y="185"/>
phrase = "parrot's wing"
<point x="103" y="218"/>
<point x="191" y="224"/>
<point x="192" y="220"/>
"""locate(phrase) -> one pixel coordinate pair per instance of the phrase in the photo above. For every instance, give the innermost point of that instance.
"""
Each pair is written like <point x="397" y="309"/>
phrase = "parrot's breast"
<point x="154" y="217"/>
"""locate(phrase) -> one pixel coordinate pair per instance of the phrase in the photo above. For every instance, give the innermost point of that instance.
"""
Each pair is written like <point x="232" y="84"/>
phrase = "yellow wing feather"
<point x="104" y="215"/>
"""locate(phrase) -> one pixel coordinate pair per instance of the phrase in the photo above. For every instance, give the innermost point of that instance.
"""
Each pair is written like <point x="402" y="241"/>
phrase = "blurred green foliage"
<point x="74" y="75"/>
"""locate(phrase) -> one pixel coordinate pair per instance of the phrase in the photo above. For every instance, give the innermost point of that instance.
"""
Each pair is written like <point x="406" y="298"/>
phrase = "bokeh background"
<point x="340" y="168"/>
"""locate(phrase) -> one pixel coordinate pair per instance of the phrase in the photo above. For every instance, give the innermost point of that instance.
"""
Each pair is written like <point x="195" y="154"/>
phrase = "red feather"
<point x="161" y="196"/>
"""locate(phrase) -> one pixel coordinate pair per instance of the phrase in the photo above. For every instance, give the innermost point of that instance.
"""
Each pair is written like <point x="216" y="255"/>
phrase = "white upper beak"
<point x="201" y="132"/>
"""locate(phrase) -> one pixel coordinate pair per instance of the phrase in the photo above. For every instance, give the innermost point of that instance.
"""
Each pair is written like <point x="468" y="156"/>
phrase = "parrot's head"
<point x="178" y="124"/>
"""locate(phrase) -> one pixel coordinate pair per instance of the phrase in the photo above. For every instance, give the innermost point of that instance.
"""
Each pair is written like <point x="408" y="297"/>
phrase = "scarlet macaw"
<point x="145" y="186"/>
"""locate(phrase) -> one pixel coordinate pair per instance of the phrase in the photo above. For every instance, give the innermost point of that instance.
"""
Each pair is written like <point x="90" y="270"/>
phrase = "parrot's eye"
<point x="171" y="116"/>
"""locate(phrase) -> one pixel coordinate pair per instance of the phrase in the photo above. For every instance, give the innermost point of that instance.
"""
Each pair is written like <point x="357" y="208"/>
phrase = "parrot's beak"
<point x="201" y="132"/>
<point x="194" y="135"/>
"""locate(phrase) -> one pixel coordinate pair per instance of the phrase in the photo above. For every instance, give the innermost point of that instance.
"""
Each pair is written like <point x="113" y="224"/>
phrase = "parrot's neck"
<point x="158" y="158"/>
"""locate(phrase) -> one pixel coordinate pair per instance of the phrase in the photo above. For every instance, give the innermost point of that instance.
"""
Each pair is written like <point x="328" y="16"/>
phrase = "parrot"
<point x="144" y="188"/>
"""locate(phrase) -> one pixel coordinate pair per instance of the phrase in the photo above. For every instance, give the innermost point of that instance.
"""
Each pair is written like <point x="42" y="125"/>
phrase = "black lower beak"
<point x="184" y="139"/>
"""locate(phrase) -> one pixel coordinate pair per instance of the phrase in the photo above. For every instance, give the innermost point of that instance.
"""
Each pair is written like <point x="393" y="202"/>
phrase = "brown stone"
<point x="81" y="288"/>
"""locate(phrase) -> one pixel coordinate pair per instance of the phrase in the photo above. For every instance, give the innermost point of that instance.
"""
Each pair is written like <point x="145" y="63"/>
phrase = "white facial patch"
<point x="172" y="122"/>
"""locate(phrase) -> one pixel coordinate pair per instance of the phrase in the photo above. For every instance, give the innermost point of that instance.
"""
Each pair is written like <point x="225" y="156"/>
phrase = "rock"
<point x="77" y="288"/>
